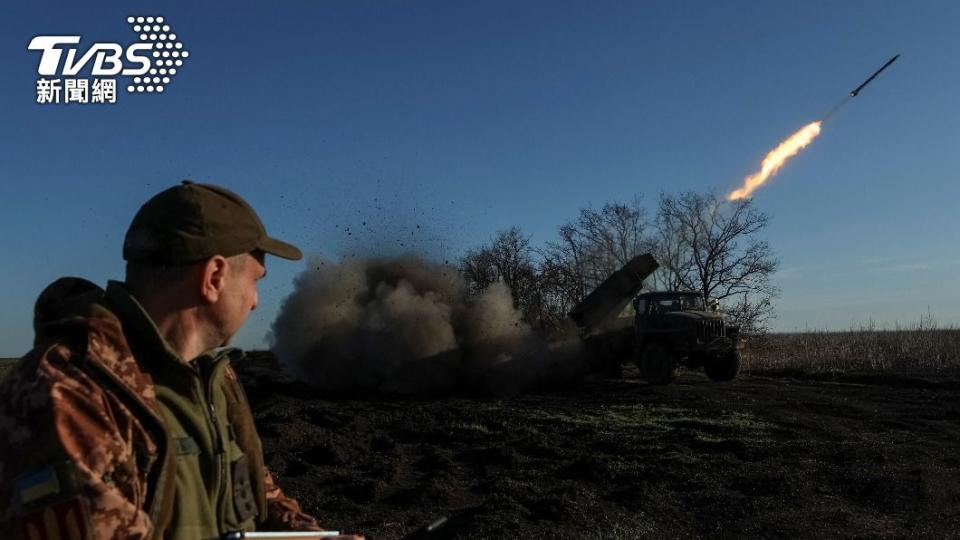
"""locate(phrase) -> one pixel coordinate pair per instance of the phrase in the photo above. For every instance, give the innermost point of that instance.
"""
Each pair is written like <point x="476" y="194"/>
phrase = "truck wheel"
<point x="723" y="368"/>
<point x="658" y="364"/>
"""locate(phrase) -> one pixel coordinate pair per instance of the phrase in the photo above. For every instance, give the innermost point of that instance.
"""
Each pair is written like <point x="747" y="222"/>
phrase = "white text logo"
<point x="152" y="63"/>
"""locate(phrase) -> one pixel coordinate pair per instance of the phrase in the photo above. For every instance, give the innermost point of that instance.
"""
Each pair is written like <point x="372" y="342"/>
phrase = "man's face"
<point x="239" y="296"/>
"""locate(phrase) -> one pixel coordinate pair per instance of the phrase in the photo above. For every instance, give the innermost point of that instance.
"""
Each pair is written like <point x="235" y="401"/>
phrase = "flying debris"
<point x="866" y="82"/>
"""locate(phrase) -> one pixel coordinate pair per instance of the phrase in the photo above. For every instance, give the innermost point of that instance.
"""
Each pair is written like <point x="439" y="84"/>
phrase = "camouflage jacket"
<point x="84" y="452"/>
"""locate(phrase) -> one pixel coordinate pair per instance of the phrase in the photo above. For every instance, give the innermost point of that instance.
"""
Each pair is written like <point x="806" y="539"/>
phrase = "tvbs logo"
<point x="107" y="57"/>
<point x="151" y="62"/>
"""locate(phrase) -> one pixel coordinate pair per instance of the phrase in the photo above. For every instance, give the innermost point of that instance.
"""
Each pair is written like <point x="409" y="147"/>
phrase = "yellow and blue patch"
<point x="38" y="485"/>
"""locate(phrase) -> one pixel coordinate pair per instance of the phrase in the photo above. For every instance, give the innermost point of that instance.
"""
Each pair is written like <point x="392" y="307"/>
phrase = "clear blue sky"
<point x="362" y="127"/>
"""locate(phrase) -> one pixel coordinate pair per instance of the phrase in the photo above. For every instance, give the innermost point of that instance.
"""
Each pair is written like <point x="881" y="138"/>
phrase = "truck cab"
<point x="676" y="328"/>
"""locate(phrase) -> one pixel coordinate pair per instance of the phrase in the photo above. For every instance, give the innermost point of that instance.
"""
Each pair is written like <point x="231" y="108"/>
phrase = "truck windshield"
<point x="680" y="303"/>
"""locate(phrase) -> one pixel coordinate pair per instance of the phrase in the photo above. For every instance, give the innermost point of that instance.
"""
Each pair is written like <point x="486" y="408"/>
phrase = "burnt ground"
<point x="758" y="457"/>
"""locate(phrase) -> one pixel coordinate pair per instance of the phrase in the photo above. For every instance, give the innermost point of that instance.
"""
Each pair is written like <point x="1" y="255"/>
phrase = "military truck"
<point x="660" y="331"/>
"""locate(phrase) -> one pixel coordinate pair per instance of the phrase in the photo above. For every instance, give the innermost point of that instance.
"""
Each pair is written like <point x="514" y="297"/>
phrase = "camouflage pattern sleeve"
<point x="283" y="512"/>
<point x="61" y="423"/>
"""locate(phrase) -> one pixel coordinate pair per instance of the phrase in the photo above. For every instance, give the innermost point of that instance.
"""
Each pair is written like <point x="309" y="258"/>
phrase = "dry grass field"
<point x="922" y="350"/>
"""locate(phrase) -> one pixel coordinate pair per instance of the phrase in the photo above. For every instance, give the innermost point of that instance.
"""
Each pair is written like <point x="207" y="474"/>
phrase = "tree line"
<point x="702" y="242"/>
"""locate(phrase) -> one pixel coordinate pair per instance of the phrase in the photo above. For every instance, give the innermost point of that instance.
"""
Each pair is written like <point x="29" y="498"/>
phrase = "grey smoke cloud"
<point x="404" y="325"/>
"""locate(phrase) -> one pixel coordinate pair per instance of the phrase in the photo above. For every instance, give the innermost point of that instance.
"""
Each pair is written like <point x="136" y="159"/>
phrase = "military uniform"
<point x="104" y="421"/>
<point x="105" y="432"/>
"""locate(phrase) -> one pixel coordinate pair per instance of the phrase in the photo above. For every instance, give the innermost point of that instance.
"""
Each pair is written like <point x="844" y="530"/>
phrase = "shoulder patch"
<point x="38" y="485"/>
<point x="65" y="520"/>
<point x="53" y="481"/>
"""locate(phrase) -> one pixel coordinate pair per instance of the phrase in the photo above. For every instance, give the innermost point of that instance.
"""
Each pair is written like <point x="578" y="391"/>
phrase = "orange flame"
<point x="776" y="158"/>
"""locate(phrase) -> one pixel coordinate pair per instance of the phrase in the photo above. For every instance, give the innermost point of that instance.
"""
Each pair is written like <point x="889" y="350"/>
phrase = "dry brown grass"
<point x="919" y="349"/>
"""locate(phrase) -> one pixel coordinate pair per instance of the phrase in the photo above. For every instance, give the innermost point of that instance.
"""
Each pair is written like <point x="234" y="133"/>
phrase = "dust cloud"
<point x="405" y="325"/>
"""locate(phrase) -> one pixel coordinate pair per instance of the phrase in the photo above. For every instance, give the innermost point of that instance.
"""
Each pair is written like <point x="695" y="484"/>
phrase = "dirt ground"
<point x="758" y="457"/>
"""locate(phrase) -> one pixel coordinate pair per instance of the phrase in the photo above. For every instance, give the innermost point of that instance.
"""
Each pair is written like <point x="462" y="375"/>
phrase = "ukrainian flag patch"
<point x="38" y="484"/>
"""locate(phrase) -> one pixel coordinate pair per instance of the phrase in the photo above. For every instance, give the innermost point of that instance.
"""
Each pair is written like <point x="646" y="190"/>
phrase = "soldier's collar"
<point x="139" y="328"/>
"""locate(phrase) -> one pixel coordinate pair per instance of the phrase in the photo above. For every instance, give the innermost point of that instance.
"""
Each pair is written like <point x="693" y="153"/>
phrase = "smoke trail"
<point x="835" y="108"/>
<point x="404" y="325"/>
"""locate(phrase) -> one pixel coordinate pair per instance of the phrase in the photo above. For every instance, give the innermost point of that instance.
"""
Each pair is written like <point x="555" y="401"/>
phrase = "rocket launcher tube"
<point x="611" y="296"/>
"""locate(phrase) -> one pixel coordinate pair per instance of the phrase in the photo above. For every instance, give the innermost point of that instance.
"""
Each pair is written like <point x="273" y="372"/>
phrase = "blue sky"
<point x="359" y="127"/>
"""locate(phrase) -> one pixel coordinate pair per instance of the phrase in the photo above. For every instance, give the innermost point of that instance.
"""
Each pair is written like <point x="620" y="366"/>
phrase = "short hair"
<point x="143" y="277"/>
<point x="147" y="278"/>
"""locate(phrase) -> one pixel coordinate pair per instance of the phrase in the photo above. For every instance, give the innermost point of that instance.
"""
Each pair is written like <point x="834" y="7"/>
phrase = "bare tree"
<point x="596" y="244"/>
<point x="676" y="266"/>
<point x="508" y="258"/>
<point x="702" y="242"/>
<point x="710" y="245"/>
<point x="563" y="268"/>
<point x="479" y="268"/>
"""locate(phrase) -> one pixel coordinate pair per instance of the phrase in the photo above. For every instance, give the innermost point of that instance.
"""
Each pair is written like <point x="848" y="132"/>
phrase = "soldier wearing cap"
<point x="126" y="420"/>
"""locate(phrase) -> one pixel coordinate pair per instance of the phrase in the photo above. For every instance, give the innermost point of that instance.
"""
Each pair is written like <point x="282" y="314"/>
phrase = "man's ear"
<point x="214" y="274"/>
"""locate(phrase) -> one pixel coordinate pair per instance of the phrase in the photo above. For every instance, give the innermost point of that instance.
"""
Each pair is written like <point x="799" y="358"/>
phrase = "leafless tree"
<point x="702" y="243"/>
<point x="596" y="244"/>
<point x="504" y="259"/>
<point x="710" y="245"/>
<point x="508" y="258"/>
<point x="563" y="267"/>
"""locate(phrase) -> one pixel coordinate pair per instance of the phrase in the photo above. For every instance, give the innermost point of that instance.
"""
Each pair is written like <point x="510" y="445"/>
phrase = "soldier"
<point x="60" y="299"/>
<point x="126" y="420"/>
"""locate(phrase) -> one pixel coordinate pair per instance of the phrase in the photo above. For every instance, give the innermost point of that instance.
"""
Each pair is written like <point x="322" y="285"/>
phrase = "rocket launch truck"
<point x="663" y="330"/>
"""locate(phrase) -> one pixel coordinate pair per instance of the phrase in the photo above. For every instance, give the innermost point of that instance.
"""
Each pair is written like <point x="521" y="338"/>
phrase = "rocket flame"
<point x="776" y="158"/>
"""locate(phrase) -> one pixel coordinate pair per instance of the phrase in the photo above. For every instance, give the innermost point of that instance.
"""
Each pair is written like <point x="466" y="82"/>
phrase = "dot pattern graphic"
<point x="152" y="30"/>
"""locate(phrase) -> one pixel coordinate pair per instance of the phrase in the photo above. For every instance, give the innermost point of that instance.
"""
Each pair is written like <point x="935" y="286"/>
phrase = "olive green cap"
<point x="192" y="222"/>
